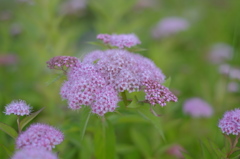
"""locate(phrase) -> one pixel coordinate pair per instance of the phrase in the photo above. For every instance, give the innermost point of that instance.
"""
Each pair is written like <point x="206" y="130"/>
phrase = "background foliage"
<point x="35" y="31"/>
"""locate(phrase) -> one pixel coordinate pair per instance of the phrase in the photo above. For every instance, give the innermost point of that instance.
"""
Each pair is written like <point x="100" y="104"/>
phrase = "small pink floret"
<point x="40" y="136"/>
<point x="34" y="153"/>
<point x="18" y="107"/>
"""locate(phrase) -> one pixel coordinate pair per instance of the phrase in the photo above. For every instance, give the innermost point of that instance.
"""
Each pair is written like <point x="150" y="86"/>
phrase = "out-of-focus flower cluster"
<point x="120" y="41"/>
<point x="221" y="54"/>
<point x="39" y="136"/>
<point x="102" y="75"/>
<point x="196" y="107"/>
<point x="230" y="122"/>
<point x="18" y="107"/>
<point x="169" y="26"/>
<point x="34" y="153"/>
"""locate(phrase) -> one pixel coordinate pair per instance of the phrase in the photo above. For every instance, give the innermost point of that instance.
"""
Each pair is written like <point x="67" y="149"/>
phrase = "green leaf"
<point x="104" y="141"/>
<point x="96" y="43"/>
<point x="27" y="119"/>
<point x="136" y="49"/>
<point x="144" y="111"/>
<point x="167" y="82"/>
<point x="8" y="152"/>
<point x="235" y="155"/>
<point x="55" y="79"/>
<point x="9" y="130"/>
<point x="216" y="149"/>
<point x="141" y="143"/>
<point x="134" y="103"/>
<point x="85" y="116"/>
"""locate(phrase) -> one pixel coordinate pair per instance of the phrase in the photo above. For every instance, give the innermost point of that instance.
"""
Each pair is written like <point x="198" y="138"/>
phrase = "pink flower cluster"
<point x="18" y="107"/>
<point x="196" y="107"/>
<point x="59" y="62"/>
<point x="169" y="26"/>
<point x="120" y="41"/>
<point x="158" y="94"/>
<point x="230" y="122"/>
<point x="102" y="75"/>
<point x="34" y="153"/>
<point x="39" y="136"/>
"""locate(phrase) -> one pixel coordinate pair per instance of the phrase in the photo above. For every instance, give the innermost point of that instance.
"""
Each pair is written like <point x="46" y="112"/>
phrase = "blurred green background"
<point x="32" y="32"/>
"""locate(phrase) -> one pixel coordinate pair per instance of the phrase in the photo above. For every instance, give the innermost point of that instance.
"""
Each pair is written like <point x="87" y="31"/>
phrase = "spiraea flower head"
<point x="102" y="75"/>
<point x="18" y="107"/>
<point x="127" y="71"/>
<point x="230" y="122"/>
<point x="39" y="136"/>
<point x="34" y="153"/>
<point x="62" y="62"/>
<point x="121" y="41"/>
<point x="197" y="107"/>
<point x="170" y="26"/>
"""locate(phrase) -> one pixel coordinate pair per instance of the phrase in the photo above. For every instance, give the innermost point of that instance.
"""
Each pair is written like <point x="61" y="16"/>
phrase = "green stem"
<point x="233" y="145"/>
<point x="18" y="124"/>
<point x="85" y="125"/>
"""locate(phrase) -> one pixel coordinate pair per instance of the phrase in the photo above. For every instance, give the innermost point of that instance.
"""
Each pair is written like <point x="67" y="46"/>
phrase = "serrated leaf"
<point x="145" y="113"/>
<point x="134" y="103"/>
<point x="141" y="143"/>
<point x="29" y="118"/>
<point x="9" y="130"/>
<point x="167" y="82"/>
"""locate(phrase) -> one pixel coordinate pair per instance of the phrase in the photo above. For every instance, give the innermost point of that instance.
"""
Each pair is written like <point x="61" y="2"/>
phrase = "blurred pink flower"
<point x="142" y="4"/>
<point x="15" y="29"/>
<point x="230" y="122"/>
<point x="170" y="26"/>
<point x="234" y="73"/>
<point x="5" y="15"/>
<point x="220" y="52"/>
<point x="224" y="69"/>
<point x="176" y="151"/>
<point x="196" y="107"/>
<point x="39" y="136"/>
<point x="120" y="41"/>
<point x="34" y="153"/>
<point x="8" y="59"/>
<point x="73" y="7"/>
<point x="18" y="107"/>
<point x="233" y="87"/>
